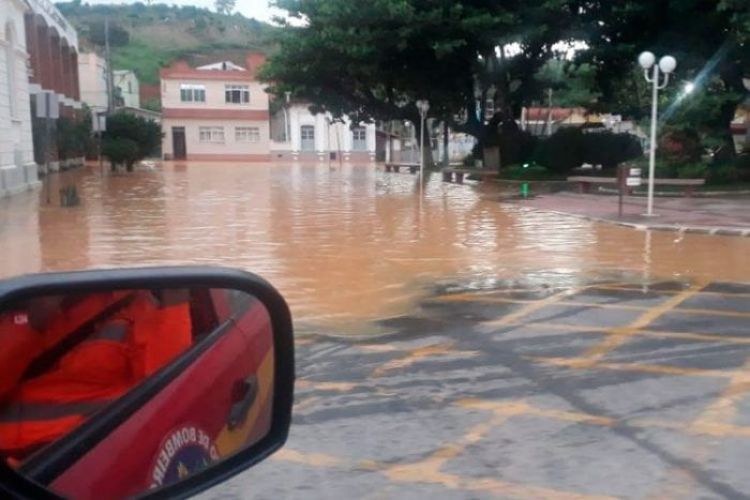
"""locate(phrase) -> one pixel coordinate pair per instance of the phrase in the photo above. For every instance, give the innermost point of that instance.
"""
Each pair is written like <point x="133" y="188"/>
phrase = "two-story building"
<point x="215" y="112"/>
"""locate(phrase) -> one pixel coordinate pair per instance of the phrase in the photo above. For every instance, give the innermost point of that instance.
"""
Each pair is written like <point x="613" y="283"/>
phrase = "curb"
<point x="714" y="231"/>
<point x="673" y="194"/>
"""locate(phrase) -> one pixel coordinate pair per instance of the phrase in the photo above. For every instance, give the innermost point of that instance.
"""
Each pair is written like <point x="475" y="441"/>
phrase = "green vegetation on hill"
<point x="159" y="34"/>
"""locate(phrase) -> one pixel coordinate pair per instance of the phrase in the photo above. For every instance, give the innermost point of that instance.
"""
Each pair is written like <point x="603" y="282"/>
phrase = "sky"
<point x="258" y="9"/>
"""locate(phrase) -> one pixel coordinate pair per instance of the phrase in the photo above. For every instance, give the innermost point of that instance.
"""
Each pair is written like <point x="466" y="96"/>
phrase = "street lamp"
<point x="423" y="106"/>
<point x="288" y="96"/>
<point x="667" y="65"/>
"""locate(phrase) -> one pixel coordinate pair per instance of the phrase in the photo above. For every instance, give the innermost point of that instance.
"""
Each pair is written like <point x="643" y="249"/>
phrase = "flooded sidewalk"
<point x="346" y="246"/>
<point x="725" y="216"/>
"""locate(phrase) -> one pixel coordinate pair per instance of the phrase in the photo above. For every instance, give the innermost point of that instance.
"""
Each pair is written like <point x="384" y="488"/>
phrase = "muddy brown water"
<point x="345" y="245"/>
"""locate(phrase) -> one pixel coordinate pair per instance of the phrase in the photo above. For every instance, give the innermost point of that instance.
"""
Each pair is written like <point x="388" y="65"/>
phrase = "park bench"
<point x="586" y="181"/>
<point x="458" y="173"/>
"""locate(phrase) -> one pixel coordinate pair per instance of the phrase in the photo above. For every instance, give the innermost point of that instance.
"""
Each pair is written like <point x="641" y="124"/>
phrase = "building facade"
<point x="92" y="74"/>
<point x="128" y="88"/>
<point x="299" y="135"/>
<point x="215" y="112"/>
<point x="52" y="46"/>
<point x="18" y="171"/>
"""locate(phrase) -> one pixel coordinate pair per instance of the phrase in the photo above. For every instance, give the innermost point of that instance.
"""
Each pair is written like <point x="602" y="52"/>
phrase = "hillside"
<point x="144" y="38"/>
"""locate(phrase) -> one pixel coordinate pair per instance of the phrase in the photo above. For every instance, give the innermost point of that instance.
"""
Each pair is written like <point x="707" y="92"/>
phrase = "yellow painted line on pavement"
<point x="586" y="363"/>
<point x="528" y="309"/>
<point x="444" y="349"/>
<point x="717" y="416"/>
<point x="600" y="350"/>
<point x="668" y="292"/>
<point x="306" y="403"/>
<point x="377" y="348"/>
<point x="309" y="459"/>
<point x="521" y="408"/>
<point x="429" y="470"/>
<point x="325" y="386"/>
<point x="704" y="337"/>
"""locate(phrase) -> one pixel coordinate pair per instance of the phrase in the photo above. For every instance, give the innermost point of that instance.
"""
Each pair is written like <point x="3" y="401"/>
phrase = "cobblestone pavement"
<point x="607" y="390"/>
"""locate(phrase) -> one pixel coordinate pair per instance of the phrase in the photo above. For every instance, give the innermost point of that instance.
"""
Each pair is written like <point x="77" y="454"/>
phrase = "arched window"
<point x="11" y="61"/>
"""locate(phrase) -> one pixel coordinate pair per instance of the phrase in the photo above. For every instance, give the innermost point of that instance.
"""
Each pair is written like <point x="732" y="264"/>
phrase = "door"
<point x="179" y="148"/>
<point x="307" y="138"/>
<point x="359" y="139"/>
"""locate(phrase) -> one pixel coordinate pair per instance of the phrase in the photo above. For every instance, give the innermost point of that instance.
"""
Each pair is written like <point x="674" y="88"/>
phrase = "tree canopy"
<point x="374" y="60"/>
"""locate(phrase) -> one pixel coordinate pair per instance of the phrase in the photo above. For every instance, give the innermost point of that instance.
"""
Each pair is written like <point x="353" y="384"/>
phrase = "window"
<point x="247" y="134"/>
<point x="307" y="137"/>
<point x="211" y="134"/>
<point x="237" y="94"/>
<point x="192" y="93"/>
<point x="359" y="139"/>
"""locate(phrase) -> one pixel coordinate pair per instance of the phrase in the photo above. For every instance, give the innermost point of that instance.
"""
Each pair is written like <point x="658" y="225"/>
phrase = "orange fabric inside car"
<point x="123" y="350"/>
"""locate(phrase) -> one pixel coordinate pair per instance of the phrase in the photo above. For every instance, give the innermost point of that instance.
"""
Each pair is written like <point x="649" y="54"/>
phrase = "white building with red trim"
<point x="215" y="112"/>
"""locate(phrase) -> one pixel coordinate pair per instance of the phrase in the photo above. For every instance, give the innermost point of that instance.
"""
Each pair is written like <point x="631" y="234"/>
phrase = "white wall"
<point x="229" y="147"/>
<point x="129" y="87"/>
<point x="170" y="94"/>
<point x="92" y="76"/>
<point x="17" y="168"/>
<point x="327" y="137"/>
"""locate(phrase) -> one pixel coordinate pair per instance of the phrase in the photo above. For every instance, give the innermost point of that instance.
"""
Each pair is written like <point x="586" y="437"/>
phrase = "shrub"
<point x="562" y="151"/>
<point x="516" y="147"/>
<point x="722" y="174"/>
<point x="609" y="149"/>
<point x="696" y="170"/>
<point x="680" y="146"/>
<point x="143" y="137"/>
<point x="121" y="151"/>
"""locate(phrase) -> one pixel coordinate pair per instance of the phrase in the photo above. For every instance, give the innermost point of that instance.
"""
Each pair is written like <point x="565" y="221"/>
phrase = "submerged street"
<point x="452" y="346"/>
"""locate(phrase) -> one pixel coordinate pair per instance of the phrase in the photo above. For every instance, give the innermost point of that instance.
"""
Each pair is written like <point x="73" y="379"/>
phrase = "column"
<point x="32" y="46"/>
<point x="44" y="67"/>
<point x="76" y="85"/>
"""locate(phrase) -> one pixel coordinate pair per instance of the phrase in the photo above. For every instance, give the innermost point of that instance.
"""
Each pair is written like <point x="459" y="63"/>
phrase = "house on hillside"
<point x="215" y="112"/>
<point x="127" y="88"/>
<point x="298" y="134"/>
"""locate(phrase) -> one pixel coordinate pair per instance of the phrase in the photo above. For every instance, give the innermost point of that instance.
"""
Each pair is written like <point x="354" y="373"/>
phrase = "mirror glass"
<point x="111" y="394"/>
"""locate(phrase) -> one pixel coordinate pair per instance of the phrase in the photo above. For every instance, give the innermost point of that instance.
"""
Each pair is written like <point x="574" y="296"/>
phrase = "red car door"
<point x="190" y="423"/>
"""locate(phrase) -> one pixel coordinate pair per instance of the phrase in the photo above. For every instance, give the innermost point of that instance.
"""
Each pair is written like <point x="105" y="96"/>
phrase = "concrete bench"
<point x="586" y="181"/>
<point x="458" y="173"/>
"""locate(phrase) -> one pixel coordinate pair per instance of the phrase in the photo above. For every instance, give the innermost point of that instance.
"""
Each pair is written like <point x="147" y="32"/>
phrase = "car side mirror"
<point x="140" y="382"/>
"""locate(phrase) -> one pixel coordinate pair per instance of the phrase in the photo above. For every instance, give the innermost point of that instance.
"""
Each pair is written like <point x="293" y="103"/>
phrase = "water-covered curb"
<point x="720" y="230"/>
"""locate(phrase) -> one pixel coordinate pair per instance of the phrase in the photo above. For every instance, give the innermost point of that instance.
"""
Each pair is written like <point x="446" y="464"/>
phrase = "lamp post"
<point x="667" y="65"/>
<point x="286" y="116"/>
<point x="423" y="106"/>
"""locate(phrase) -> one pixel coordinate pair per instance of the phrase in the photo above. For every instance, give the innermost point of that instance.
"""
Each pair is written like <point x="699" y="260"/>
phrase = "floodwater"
<point x="344" y="244"/>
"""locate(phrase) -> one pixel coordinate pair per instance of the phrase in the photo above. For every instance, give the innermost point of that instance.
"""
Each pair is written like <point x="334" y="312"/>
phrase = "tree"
<point x="709" y="39"/>
<point x="118" y="36"/>
<point x="572" y="85"/>
<point x="225" y="6"/>
<point x="374" y="60"/>
<point x="128" y="139"/>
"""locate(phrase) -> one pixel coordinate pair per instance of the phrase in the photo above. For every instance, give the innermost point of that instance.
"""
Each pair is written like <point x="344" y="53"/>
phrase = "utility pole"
<point x="108" y="58"/>
<point x="446" y="157"/>
<point x="549" y="112"/>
